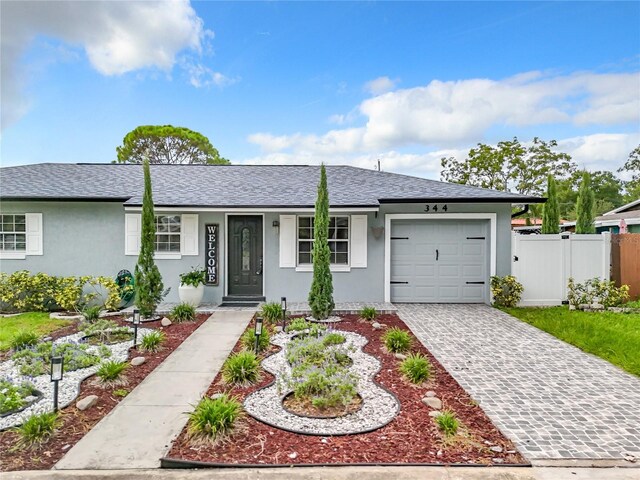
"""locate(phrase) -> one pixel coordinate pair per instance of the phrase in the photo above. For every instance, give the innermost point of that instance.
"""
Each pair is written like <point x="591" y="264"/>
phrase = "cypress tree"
<point x="148" y="281"/>
<point x="321" y="293"/>
<point x="551" y="212"/>
<point x="584" y="206"/>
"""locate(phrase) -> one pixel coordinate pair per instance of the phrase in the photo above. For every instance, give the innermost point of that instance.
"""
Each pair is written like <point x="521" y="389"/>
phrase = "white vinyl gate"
<point x="544" y="264"/>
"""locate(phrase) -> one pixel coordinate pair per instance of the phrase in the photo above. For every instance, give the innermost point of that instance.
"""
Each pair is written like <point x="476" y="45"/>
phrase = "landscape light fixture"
<point x="57" y="363"/>
<point x="136" y="322"/>
<point x="258" y="332"/>
<point x="283" y="307"/>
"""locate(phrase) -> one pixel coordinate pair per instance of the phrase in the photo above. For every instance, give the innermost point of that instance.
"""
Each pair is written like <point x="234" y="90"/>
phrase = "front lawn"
<point x="612" y="336"/>
<point x="37" y="322"/>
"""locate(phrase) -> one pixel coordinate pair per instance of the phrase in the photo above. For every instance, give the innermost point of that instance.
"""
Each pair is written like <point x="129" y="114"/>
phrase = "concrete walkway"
<point x="141" y="428"/>
<point x="552" y="399"/>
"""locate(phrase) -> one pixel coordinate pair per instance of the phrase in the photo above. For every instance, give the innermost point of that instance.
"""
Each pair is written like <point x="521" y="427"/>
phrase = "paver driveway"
<point x="553" y="400"/>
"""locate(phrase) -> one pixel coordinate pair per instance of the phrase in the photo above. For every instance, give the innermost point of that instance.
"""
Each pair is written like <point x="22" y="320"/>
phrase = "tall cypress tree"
<point x="551" y="212"/>
<point x="584" y="206"/>
<point x="321" y="293"/>
<point x="148" y="281"/>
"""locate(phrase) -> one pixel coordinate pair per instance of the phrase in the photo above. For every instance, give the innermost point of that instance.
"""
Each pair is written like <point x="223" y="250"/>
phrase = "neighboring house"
<point x="392" y="237"/>
<point x="627" y="216"/>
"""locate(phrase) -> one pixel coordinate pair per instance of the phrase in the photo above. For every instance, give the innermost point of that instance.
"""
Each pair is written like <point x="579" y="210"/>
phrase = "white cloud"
<point x="602" y="151"/>
<point x="380" y="85"/>
<point x="118" y="37"/>
<point x="450" y="114"/>
<point x="202" y="76"/>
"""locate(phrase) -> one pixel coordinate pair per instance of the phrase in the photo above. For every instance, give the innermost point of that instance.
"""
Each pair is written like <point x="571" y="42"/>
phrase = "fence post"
<point x="606" y="256"/>
<point x="565" y="255"/>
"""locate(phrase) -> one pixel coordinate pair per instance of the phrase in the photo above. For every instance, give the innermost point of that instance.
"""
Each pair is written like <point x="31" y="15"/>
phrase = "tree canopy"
<point x="509" y="166"/>
<point x="167" y="144"/>
<point x="632" y="165"/>
<point x="606" y="187"/>
<point x="584" y="206"/>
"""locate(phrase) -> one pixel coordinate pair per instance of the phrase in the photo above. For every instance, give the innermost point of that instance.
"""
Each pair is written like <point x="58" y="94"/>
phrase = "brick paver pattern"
<point x="553" y="400"/>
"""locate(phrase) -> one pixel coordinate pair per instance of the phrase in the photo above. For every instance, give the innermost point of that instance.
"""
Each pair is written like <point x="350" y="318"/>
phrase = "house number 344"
<point x="435" y="208"/>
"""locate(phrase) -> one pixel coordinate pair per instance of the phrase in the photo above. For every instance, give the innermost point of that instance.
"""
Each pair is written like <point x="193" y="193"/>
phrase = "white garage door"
<point x="439" y="261"/>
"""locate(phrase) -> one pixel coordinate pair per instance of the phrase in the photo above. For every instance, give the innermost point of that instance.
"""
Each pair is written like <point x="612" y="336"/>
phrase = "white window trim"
<point x="334" y="267"/>
<point x="492" y="217"/>
<point x="169" y="255"/>
<point x="22" y="254"/>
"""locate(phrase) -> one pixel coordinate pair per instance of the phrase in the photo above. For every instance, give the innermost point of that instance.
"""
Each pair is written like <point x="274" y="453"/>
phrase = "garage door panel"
<point x="460" y="260"/>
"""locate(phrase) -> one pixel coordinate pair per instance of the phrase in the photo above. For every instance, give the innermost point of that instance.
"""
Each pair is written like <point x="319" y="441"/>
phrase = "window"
<point x="13" y="237"/>
<point x="167" y="234"/>
<point x="338" y="240"/>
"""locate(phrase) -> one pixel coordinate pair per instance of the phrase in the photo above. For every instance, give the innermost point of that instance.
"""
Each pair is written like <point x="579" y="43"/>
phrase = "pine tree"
<point x="551" y="212"/>
<point x="321" y="293"/>
<point x="584" y="206"/>
<point x="148" y="281"/>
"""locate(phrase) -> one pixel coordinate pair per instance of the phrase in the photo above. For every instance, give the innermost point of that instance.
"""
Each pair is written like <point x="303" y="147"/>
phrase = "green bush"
<point x="447" y="422"/>
<point x="91" y="314"/>
<point x="112" y="372"/>
<point x="272" y="312"/>
<point x="152" y="341"/>
<point x="242" y="368"/>
<point x="299" y="325"/>
<point x="506" y="291"/>
<point x="121" y="392"/>
<point x="23" y="339"/>
<point x="106" y="331"/>
<point x="333" y="338"/>
<point x="397" y="340"/>
<point x="12" y="397"/>
<point x="37" y="429"/>
<point x="183" y="312"/>
<point x="195" y="277"/>
<point x="214" y="418"/>
<point x="368" y="313"/>
<point x="248" y="340"/>
<point x="37" y="360"/>
<point x="416" y="368"/>
<point x="596" y="291"/>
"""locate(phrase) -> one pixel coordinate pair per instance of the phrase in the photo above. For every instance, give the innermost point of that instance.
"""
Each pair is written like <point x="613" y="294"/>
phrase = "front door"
<point x="245" y="255"/>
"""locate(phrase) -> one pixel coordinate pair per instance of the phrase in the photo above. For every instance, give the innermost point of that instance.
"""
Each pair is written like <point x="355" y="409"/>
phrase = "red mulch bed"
<point x="76" y="423"/>
<point x="412" y="437"/>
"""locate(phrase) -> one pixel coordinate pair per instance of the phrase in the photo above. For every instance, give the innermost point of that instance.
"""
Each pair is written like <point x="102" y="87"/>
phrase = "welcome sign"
<point x="211" y="253"/>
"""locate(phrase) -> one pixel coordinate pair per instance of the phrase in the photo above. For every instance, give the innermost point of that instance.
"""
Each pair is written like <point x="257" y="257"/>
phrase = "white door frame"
<point x="226" y="248"/>
<point x="389" y="217"/>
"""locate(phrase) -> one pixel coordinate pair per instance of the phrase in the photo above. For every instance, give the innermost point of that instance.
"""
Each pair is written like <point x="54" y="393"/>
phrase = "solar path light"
<point x="57" y="363"/>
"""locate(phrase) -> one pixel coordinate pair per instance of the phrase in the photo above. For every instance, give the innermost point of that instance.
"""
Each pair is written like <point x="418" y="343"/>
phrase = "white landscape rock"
<point x="137" y="361"/>
<point x="400" y="356"/>
<point x="165" y="322"/>
<point x="87" y="402"/>
<point x="376" y="325"/>
<point x="432" y="402"/>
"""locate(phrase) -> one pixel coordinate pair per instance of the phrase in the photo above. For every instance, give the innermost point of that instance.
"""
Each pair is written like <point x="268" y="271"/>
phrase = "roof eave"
<point x="512" y="200"/>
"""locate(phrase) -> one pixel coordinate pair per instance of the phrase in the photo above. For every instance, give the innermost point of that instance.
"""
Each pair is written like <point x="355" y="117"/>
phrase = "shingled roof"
<point x="234" y="186"/>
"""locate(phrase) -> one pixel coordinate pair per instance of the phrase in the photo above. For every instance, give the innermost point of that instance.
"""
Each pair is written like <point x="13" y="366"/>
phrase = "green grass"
<point x="36" y="322"/>
<point x="614" y="337"/>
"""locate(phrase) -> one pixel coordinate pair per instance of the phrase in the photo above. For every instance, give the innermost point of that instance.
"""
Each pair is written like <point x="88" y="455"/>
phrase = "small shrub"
<point x="596" y="291"/>
<point x="121" y="392"/>
<point x="106" y="331"/>
<point x="248" y="340"/>
<point x="368" y="313"/>
<point x="23" y="339"/>
<point x="333" y="339"/>
<point x="214" y="418"/>
<point x="194" y="278"/>
<point x="447" y="422"/>
<point x="104" y="351"/>
<point x="91" y="314"/>
<point x="506" y="291"/>
<point x="111" y="372"/>
<point x="36" y="360"/>
<point x="397" y="340"/>
<point x="12" y="396"/>
<point x="183" y="312"/>
<point x="242" y="368"/>
<point x="298" y="325"/>
<point x="152" y="341"/>
<point x="272" y="312"/>
<point x="37" y="429"/>
<point x="416" y="368"/>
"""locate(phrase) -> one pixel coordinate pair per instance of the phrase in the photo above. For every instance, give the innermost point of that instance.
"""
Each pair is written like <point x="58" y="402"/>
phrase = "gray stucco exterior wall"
<point x="88" y="238"/>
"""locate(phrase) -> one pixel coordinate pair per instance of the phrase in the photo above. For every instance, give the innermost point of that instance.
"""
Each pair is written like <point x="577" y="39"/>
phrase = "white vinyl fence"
<point x="544" y="264"/>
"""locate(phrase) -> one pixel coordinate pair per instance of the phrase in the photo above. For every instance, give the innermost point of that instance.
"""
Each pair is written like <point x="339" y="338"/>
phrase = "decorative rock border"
<point x="69" y="386"/>
<point x="379" y="406"/>
<point x="64" y="316"/>
<point x="332" y="319"/>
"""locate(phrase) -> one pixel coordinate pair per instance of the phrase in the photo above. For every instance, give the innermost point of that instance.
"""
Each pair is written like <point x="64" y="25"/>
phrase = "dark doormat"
<point x="239" y="304"/>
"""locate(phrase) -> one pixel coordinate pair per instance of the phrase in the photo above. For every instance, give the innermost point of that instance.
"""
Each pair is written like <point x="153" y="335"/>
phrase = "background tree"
<point x="551" y="215"/>
<point x="321" y="293"/>
<point x="148" y="281"/>
<point x="632" y="166"/>
<point x="606" y="187"/>
<point x="167" y="144"/>
<point x="584" y="206"/>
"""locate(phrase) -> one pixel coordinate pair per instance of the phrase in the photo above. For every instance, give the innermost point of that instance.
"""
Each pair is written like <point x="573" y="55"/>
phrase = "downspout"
<point x="521" y="212"/>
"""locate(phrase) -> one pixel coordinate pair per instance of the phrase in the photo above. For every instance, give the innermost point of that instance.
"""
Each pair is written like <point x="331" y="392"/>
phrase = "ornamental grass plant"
<point x="214" y="419"/>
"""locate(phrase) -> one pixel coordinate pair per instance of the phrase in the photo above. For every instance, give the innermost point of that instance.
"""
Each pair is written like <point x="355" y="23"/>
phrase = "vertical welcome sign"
<point x="211" y="253"/>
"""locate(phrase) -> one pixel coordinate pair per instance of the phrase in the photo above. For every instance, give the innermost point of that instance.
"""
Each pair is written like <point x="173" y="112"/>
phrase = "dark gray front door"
<point x="245" y="255"/>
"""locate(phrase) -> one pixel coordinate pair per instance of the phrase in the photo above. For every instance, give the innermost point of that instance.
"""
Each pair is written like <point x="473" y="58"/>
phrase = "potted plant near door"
<point x="191" y="287"/>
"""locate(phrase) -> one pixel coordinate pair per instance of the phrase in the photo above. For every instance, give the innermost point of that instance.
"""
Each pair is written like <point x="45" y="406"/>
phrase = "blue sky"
<point x="336" y="82"/>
